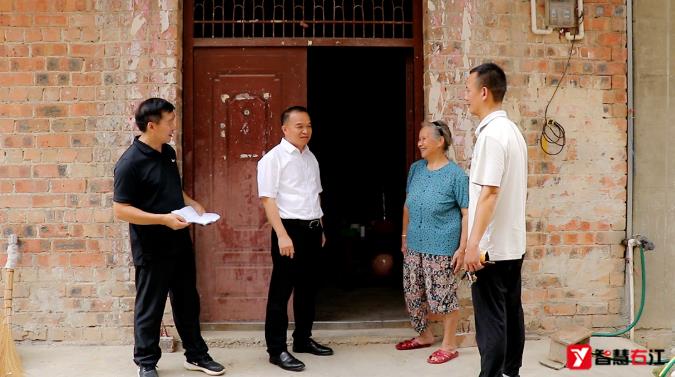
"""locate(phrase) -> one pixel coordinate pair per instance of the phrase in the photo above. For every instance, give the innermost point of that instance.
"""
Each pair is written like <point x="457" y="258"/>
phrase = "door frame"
<point x="415" y="112"/>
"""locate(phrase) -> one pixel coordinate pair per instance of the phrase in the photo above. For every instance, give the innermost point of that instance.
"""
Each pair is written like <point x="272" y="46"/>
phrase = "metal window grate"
<point x="389" y="19"/>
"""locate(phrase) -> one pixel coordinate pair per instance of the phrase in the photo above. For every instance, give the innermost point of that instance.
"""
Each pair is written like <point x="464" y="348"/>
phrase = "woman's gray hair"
<point x="441" y="130"/>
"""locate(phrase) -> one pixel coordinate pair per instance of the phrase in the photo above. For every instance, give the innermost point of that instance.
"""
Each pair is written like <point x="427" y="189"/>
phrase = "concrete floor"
<point x="372" y="360"/>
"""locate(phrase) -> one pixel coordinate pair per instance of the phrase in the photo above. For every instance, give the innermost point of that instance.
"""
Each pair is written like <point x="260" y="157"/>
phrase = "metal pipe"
<point x="631" y="138"/>
<point x="630" y="252"/>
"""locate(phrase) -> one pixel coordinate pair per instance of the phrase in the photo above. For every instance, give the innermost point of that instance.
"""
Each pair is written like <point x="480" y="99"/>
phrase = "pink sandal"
<point x="441" y="356"/>
<point x="410" y="344"/>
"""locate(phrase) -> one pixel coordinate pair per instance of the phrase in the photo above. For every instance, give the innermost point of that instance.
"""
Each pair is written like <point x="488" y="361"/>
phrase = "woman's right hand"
<point x="404" y="244"/>
<point x="286" y="246"/>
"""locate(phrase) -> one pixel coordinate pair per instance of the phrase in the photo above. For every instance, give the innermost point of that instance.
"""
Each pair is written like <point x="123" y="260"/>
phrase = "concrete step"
<point x="251" y="334"/>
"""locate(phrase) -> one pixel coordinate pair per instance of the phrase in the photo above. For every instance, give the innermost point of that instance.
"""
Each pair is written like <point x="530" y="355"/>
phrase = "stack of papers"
<point x="191" y="216"/>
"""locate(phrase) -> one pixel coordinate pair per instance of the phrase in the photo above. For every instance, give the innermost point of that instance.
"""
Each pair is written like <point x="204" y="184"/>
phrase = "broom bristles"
<point x="11" y="363"/>
<point x="3" y="371"/>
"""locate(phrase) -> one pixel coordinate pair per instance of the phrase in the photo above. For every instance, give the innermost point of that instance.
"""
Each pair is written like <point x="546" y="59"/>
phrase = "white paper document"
<point x="191" y="216"/>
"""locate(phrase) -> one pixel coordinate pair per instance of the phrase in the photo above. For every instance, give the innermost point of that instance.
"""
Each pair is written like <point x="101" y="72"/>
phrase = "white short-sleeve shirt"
<point x="292" y="178"/>
<point x="500" y="159"/>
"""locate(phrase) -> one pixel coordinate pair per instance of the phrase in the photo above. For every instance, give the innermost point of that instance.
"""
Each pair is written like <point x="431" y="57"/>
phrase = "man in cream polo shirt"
<point x="497" y="194"/>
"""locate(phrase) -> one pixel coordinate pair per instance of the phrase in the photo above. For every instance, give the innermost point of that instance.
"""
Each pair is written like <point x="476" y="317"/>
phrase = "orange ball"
<point x="383" y="264"/>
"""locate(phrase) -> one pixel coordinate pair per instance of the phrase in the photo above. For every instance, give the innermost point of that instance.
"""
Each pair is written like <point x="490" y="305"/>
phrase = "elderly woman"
<point x="433" y="240"/>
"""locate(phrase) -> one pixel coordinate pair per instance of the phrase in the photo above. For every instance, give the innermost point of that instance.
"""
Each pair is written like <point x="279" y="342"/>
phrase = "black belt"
<point x="311" y="224"/>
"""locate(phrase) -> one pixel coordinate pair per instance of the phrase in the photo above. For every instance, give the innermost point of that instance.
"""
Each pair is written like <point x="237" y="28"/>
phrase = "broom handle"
<point x="9" y="287"/>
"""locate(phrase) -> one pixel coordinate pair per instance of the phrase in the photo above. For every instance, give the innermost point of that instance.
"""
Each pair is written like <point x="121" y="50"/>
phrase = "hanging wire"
<point x="552" y="132"/>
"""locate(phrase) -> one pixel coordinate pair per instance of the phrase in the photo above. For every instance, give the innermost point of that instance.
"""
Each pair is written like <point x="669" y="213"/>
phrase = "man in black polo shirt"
<point x="147" y="188"/>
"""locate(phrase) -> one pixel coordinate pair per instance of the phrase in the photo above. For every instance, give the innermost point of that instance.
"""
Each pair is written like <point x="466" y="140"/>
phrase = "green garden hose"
<point x="642" y="300"/>
<point x="666" y="369"/>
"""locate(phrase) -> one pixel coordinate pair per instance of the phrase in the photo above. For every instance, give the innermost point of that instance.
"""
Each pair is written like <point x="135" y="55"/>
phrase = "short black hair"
<point x="292" y="109"/>
<point x="491" y="76"/>
<point x="151" y="110"/>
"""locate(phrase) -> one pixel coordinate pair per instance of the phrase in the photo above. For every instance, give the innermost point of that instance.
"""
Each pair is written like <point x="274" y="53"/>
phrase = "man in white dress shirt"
<point x="497" y="195"/>
<point x="289" y="186"/>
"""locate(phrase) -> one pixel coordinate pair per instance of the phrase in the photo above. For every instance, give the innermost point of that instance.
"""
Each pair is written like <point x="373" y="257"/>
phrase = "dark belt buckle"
<point x="314" y="224"/>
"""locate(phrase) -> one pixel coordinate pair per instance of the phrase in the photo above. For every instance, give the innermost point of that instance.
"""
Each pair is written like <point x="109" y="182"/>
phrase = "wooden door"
<point x="238" y="97"/>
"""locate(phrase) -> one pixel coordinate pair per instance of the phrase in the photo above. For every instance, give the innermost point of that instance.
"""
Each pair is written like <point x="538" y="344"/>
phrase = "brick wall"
<point x="573" y="272"/>
<point x="71" y="72"/>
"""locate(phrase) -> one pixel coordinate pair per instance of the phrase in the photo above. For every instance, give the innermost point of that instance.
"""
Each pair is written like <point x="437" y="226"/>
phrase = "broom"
<point x="10" y="365"/>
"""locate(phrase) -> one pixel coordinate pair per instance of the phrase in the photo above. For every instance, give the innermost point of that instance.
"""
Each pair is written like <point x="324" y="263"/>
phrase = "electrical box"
<point x="560" y="14"/>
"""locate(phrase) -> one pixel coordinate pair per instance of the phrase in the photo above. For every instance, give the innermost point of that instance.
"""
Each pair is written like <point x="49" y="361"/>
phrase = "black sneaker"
<point x="147" y="371"/>
<point x="206" y="365"/>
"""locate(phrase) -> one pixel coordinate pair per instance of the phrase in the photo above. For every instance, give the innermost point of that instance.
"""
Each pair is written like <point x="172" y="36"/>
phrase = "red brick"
<point x="87" y="50"/>
<point x="49" y="171"/>
<point x="14" y="35"/>
<point x="52" y="110"/>
<point x="15" y="201"/>
<point x="53" y="140"/>
<point x="77" y="5"/>
<point x="86" y="79"/>
<point x="560" y="309"/>
<point x="83" y="109"/>
<point x="51" y="34"/>
<point x="100" y="185"/>
<point x="82" y="20"/>
<point x="52" y="260"/>
<point x="34" y="246"/>
<point x="87" y="260"/>
<point x="83" y="140"/>
<point x="619" y="82"/>
<point x="16" y="78"/>
<point x="6" y="187"/>
<point x="59" y="155"/>
<point x="48" y="201"/>
<point x="31" y="185"/>
<point x="33" y="35"/>
<point x="72" y="34"/>
<point x="6" y="5"/>
<point x="6" y="125"/>
<point x="17" y="141"/>
<point x="15" y="19"/>
<point x="53" y="230"/>
<point x="49" y="49"/>
<point x="36" y="6"/>
<point x="611" y="39"/>
<point x="68" y="125"/>
<point x="68" y="185"/>
<point x="597" y="23"/>
<point x="619" y="54"/>
<point x="50" y="20"/>
<point x="90" y="34"/>
<point x="14" y="171"/>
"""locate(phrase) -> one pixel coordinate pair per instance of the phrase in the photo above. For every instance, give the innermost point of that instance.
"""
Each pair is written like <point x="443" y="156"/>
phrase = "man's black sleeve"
<point x="125" y="183"/>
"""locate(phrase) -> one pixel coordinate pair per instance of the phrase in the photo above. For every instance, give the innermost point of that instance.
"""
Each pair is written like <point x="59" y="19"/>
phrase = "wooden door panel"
<point x="238" y="98"/>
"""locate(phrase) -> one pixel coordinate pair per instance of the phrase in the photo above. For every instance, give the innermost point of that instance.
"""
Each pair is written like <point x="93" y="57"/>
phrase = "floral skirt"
<point x="429" y="286"/>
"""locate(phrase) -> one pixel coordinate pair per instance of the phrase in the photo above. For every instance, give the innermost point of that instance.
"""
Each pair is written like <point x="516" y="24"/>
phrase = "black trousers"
<point x="498" y="311"/>
<point x="174" y="275"/>
<point x="297" y="275"/>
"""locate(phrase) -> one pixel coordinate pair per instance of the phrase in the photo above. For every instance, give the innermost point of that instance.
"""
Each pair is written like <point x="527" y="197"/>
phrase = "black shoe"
<point x="287" y="361"/>
<point x="310" y="346"/>
<point x="206" y="365"/>
<point x="147" y="371"/>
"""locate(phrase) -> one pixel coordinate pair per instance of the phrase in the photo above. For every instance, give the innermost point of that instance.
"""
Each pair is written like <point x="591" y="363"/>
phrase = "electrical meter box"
<point x="560" y="14"/>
